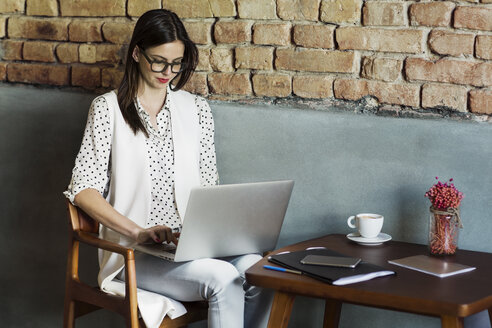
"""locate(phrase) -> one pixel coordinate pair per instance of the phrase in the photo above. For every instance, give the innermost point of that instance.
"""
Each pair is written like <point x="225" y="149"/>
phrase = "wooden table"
<point x="451" y="298"/>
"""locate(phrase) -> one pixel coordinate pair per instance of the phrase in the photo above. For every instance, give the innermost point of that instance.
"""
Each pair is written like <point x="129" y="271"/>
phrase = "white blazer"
<point x="130" y="190"/>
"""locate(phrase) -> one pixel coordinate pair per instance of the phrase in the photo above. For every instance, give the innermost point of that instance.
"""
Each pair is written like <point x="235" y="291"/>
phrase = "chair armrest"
<point x="128" y="254"/>
<point x="92" y="240"/>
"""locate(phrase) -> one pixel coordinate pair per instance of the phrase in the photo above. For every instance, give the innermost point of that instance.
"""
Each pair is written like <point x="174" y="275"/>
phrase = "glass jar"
<point x="444" y="227"/>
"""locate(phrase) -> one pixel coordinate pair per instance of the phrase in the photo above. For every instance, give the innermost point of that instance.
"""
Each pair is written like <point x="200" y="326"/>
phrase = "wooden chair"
<point x="80" y="298"/>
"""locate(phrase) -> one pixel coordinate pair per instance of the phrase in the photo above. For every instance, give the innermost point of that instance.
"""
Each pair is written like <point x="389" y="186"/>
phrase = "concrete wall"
<point x="343" y="163"/>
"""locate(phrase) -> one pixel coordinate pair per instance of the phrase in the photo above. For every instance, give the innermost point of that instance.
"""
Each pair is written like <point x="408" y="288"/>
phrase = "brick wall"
<point x="421" y="56"/>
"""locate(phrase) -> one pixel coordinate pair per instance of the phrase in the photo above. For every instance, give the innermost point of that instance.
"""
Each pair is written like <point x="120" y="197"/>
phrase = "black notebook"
<point x="332" y="275"/>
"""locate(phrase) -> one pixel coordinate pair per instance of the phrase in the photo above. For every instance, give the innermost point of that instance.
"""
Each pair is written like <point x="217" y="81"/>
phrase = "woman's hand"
<point x="91" y="201"/>
<point x="157" y="234"/>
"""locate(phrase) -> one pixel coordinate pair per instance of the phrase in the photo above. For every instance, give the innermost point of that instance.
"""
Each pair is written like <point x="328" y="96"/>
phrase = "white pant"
<point x="232" y="302"/>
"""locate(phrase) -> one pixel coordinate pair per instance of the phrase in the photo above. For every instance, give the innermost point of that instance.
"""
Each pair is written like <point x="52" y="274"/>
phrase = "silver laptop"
<point x="226" y="220"/>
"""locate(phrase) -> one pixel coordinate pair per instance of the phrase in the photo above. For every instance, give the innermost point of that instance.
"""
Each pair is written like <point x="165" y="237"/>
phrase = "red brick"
<point x="189" y="8"/>
<point x="12" y="50"/>
<point x="93" y="8"/>
<point x="39" y="51"/>
<point x="388" y="93"/>
<point x="315" y="60"/>
<point x="38" y="28"/>
<point x="298" y="9"/>
<point x="108" y="53"/>
<point x="222" y="59"/>
<point x="99" y="53"/>
<point x="449" y="71"/>
<point x="274" y="34"/>
<point x="42" y="7"/>
<point x="481" y="101"/>
<point x="88" y="77"/>
<point x="272" y="85"/>
<point x="254" y="58"/>
<point x="483" y="46"/>
<point x="340" y="11"/>
<point x="381" y="68"/>
<point x="201" y="8"/>
<point x="12" y="6"/>
<point x="314" y="36"/>
<point x="3" y="26"/>
<point x="257" y="9"/>
<point x="38" y="73"/>
<point x="435" y="13"/>
<point x="230" y="84"/>
<point x="313" y="86"/>
<point x="111" y="77"/>
<point x="203" y="59"/>
<point x="232" y="31"/>
<point x="450" y="43"/>
<point x="199" y="32"/>
<point x="223" y="8"/>
<point x="197" y="84"/>
<point x="87" y="53"/>
<point x="84" y="30"/>
<point x="448" y="96"/>
<point x="119" y="32"/>
<point x="138" y="7"/>
<point x="68" y="52"/>
<point x="376" y="39"/>
<point x="383" y="13"/>
<point x="474" y="18"/>
<point x="3" y="71"/>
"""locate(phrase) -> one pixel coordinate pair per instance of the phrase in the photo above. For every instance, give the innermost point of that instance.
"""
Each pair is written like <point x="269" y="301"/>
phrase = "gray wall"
<point x="343" y="163"/>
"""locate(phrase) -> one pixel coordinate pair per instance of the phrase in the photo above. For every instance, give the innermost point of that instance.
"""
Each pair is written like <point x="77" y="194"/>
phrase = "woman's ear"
<point x="135" y="54"/>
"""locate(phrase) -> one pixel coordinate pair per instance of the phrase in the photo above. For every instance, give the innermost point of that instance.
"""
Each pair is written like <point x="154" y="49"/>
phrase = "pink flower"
<point x="444" y="195"/>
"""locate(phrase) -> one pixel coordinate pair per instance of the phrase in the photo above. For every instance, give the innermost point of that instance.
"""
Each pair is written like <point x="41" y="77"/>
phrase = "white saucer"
<point x="381" y="238"/>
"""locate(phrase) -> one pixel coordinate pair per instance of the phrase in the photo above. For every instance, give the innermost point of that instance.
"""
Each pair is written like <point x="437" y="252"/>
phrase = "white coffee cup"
<point x="368" y="224"/>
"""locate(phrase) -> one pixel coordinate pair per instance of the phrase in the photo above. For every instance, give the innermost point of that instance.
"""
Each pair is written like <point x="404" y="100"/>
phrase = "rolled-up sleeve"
<point x="208" y="166"/>
<point x="92" y="164"/>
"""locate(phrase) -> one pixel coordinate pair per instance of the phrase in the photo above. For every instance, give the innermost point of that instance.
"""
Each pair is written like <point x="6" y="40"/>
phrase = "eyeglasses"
<point x="158" y="66"/>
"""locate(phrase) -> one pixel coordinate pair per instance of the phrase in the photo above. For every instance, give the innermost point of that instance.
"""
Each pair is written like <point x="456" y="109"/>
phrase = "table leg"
<point x="332" y="313"/>
<point x="451" y="322"/>
<point x="281" y="308"/>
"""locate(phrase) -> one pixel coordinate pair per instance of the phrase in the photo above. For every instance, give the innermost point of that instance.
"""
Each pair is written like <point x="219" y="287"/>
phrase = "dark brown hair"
<point x="153" y="28"/>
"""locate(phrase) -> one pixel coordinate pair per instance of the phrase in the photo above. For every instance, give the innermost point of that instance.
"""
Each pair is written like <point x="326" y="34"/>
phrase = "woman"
<point x="144" y="147"/>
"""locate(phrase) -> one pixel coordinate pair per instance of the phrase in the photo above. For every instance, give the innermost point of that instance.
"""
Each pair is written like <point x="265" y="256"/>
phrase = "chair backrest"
<point x="80" y="220"/>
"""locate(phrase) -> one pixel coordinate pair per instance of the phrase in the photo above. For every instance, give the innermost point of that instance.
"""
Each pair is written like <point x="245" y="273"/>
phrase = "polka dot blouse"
<point x="92" y="165"/>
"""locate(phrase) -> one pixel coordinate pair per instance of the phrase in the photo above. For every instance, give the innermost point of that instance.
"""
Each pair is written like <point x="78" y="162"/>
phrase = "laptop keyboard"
<point x="170" y="248"/>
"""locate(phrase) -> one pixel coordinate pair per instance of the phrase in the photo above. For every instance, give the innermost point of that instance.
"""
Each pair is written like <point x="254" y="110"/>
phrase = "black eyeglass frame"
<point x="166" y="64"/>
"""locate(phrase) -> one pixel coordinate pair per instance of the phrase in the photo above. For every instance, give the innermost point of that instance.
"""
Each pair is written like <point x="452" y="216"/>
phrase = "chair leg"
<point x="132" y="321"/>
<point x="69" y="314"/>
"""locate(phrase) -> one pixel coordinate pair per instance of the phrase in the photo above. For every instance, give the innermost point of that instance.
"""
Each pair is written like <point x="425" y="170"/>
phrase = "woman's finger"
<point x="161" y="232"/>
<point x="154" y="236"/>
<point x="175" y="238"/>
<point x="169" y="234"/>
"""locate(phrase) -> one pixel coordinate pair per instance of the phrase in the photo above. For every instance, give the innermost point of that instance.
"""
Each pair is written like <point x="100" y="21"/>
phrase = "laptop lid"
<point x="235" y="219"/>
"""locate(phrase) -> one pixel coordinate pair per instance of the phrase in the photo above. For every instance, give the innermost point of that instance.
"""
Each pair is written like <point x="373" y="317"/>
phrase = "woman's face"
<point x="158" y="63"/>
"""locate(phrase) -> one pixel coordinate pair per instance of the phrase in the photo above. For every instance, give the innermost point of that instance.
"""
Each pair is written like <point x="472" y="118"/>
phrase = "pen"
<point x="269" y="267"/>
